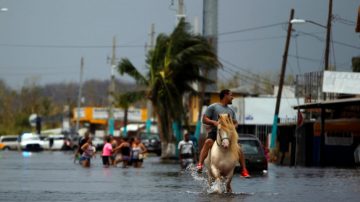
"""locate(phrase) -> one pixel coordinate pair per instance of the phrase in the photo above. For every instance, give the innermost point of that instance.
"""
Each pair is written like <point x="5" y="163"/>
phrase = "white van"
<point x="10" y="142"/>
<point x="54" y="142"/>
<point x="31" y="142"/>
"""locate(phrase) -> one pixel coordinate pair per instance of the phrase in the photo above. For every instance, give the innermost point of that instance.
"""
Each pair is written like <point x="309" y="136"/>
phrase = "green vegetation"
<point x="48" y="101"/>
<point x="174" y="64"/>
<point x="16" y="107"/>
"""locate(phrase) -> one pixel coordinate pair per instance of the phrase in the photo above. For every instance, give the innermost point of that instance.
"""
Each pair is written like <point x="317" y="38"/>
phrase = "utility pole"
<point x="357" y="27"/>
<point x="152" y="36"/>
<point x="328" y="33"/>
<point x="80" y="94"/>
<point x="328" y="36"/>
<point x="210" y="31"/>
<point x="112" y="90"/>
<point x="148" y="102"/>
<point x="180" y="12"/>
<point x="281" y="82"/>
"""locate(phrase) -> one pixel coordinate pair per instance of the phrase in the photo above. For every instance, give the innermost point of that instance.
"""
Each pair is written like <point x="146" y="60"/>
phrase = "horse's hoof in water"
<point x="217" y="191"/>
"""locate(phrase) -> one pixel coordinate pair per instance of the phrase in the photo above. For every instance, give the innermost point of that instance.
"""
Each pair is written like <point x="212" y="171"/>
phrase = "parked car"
<point x="10" y="142"/>
<point x="98" y="142"/>
<point x="253" y="150"/>
<point x="54" y="142"/>
<point x="71" y="140"/>
<point x="31" y="142"/>
<point x="152" y="142"/>
<point x="2" y="146"/>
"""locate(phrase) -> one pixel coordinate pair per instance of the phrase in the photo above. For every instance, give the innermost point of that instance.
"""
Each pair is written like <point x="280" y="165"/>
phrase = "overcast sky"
<point x="43" y="40"/>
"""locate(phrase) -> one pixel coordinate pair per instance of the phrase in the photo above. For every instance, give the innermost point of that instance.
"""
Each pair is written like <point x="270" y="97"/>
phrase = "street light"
<point x="301" y="21"/>
<point x="328" y="29"/>
<point x="3" y="9"/>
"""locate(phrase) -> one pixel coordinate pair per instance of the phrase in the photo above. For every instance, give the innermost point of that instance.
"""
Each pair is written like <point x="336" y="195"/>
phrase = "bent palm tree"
<point x="174" y="64"/>
<point x="124" y="101"/>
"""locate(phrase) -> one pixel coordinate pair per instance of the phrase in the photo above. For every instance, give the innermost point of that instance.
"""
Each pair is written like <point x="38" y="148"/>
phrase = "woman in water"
<point x="88" y="152"/>
<point x="137" y="152"/>
<point x="125" y="152"/>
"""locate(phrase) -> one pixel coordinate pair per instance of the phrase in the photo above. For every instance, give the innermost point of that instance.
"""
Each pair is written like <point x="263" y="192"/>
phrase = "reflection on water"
<point x="52" y="176"/>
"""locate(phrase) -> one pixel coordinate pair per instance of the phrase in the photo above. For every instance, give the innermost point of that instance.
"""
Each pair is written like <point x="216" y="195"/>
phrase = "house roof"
<point x="329" y="103"/>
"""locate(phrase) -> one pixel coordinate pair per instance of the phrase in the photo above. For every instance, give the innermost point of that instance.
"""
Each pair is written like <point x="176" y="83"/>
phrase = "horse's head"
<point x="225" y="130"/>
<point x="224" y="137"/>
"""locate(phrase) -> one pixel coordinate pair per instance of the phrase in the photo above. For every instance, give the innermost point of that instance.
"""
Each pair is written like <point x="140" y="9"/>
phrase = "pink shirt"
<point x="107" y="149"/>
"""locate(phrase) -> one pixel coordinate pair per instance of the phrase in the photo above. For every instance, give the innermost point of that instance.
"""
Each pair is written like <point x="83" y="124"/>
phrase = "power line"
<point x="297" y="53"/>
<point x="252" y="39"/>
<point x="246" y="79"/>
<point x="322" y="40"/>
<point x="251" y="29"/>
<point x="338" y="18"/>
<point x="39" y="73"/>
<point x="304" y="58"/>
<point x="332" y="47"/>
<point x="68" y="46"/>
<point x="254" y="79"/>
<point x="253" y="75"/>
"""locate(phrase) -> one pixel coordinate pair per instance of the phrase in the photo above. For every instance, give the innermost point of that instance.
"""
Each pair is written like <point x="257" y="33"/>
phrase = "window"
<point x="339" y="138"/>
<point x="250" y="146"/>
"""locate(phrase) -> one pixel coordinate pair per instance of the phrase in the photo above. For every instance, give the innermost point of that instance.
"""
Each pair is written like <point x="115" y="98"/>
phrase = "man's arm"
<point x="235" y="123"/>
<point x="208" y="121"/>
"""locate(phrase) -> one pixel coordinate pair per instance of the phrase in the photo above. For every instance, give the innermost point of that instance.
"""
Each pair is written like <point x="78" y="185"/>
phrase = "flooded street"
<point x="52" y="176"/>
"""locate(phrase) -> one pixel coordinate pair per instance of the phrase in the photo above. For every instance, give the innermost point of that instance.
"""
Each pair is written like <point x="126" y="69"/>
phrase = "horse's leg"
<point x="210" y="180"/>
<point x="228" y="182"/>
<point x="217" y="179"/>
<point x="228" y="185"/>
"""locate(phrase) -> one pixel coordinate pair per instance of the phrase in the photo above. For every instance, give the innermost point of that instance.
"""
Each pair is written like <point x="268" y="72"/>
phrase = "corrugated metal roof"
<point x="329" y="103"/>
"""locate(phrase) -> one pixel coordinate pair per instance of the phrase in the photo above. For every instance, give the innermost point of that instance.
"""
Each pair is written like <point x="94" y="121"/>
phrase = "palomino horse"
<point x="223" y="155"/>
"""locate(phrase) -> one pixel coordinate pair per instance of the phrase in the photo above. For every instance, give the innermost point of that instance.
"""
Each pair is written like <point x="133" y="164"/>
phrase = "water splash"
<point x="217" y="188"/>
<point x="202" y="179"/>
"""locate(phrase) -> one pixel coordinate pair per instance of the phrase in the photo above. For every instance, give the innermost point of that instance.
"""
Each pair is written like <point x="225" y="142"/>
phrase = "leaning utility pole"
<point x="328" y="36"/>
<point x="281" y="82"/>
<point x="112" y="90"/>
<point x="79" y="95"/>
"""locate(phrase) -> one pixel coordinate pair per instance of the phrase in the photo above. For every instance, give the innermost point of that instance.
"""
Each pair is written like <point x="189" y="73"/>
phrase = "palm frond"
<point x="124" y="100"/>
<point x="126" y="67"/>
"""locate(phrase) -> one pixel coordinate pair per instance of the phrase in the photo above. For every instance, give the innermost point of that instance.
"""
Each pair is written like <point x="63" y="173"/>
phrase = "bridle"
<point x="226" y="137"/>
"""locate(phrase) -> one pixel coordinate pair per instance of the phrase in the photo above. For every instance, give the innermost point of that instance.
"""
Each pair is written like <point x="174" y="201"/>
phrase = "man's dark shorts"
<point x="212" y="135"/>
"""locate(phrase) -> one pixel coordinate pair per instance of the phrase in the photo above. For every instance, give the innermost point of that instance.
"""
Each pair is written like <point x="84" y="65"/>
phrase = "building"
<point x="96" y="118"/>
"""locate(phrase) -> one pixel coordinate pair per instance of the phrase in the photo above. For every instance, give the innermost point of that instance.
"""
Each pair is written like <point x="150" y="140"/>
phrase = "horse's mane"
<point x="228" y="126"/>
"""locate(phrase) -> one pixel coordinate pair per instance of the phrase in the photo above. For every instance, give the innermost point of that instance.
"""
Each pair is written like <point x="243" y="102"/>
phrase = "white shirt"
<point x="185" y="147"/>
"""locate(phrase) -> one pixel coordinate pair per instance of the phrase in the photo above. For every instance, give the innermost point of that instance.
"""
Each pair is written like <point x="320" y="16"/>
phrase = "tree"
<point x="125" y="100"/>
<point x="174" y="64"/>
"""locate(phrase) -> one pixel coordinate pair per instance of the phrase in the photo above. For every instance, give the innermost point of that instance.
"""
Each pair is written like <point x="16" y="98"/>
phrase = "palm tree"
<point x="174" y="64"/>
<point x="124" y="101"/>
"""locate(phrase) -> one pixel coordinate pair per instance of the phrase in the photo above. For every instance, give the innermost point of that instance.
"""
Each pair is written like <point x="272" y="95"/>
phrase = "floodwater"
<point x="53" y="176"/>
